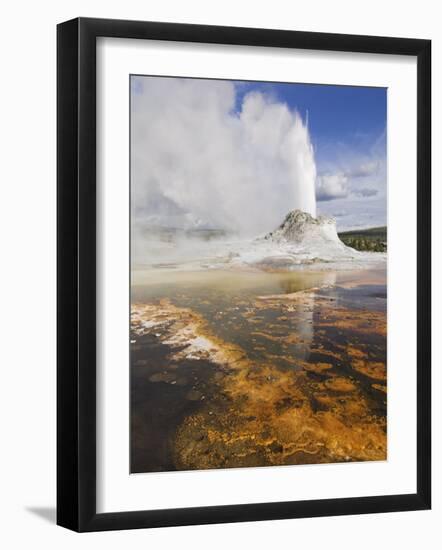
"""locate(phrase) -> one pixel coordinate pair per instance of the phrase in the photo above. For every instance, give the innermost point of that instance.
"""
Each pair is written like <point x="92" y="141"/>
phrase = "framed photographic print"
<point x="243" y="274"/>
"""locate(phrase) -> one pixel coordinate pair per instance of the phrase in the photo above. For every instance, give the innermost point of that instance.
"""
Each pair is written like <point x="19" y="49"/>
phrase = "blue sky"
<point x="347" y="126"/>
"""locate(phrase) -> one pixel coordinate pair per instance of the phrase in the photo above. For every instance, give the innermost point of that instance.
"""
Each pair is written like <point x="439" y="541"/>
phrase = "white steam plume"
<point x="197" y="162"/>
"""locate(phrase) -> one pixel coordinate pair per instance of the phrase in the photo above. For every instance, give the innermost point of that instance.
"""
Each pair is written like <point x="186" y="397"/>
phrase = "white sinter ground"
<point x="300" y="242"/>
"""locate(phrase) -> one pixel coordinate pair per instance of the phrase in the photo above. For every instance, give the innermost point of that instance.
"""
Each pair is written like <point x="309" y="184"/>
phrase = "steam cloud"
<point x="200" y="160"/>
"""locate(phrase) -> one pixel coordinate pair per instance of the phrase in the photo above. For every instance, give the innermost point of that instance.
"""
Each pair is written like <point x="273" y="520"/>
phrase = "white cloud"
<point x="364" y="169"/>
<point x="331" y="186"/>
<point x="196" y="161"/>
<point x="359" y="182"/>
<point x="366" y="192"/>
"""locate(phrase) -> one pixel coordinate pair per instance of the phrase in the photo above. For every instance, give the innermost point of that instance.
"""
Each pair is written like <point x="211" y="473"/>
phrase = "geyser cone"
<point x="302" y="228"/>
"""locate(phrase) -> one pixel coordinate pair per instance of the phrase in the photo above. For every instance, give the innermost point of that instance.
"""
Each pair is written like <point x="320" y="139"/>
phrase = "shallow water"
<point x="301" y="379"/>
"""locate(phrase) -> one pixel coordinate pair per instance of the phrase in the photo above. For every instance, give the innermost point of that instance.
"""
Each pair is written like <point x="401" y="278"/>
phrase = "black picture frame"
<point x="77" y="287"/>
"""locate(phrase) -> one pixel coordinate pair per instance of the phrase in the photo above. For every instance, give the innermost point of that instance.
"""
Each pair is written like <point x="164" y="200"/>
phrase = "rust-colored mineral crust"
<point x="296" y="395"/>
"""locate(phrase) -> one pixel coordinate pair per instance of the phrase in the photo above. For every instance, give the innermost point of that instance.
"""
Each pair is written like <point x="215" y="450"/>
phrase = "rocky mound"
<point x="301" y="228"/>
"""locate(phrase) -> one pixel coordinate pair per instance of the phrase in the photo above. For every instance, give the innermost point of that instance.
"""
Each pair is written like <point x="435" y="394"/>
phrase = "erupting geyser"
<point x="211" y="164"/>
<point x="302" y="167"/>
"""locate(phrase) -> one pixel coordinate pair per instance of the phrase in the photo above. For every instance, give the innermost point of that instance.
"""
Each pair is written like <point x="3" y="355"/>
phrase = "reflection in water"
<point x="302" y="326"/>
<point x="292" y="282"/>
<point x="253" y="369"/>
